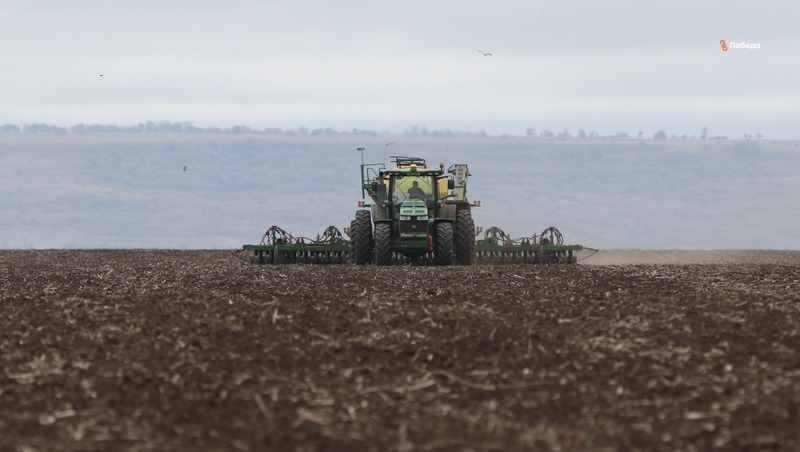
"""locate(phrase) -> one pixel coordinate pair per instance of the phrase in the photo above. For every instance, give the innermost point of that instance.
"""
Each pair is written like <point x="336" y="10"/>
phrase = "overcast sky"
<point x="619" y="65"/>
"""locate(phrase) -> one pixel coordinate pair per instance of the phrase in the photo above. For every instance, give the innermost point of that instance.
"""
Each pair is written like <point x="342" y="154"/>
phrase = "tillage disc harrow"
<point x="279" y="247"/>
<point x="497" y="247"/>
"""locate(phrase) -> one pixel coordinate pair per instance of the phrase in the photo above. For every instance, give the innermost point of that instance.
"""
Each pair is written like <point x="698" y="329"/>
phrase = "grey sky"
<point x="609" y="66"/>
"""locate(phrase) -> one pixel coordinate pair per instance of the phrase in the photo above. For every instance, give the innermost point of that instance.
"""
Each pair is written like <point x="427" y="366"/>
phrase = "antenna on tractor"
<point x="384" y="149"/>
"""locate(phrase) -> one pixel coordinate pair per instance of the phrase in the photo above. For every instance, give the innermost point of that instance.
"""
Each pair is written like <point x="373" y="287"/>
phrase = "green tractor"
<point x="417" y="214"/>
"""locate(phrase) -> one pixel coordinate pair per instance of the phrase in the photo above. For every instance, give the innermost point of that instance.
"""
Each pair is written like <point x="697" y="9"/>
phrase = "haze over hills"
<point x="122" y="190"/>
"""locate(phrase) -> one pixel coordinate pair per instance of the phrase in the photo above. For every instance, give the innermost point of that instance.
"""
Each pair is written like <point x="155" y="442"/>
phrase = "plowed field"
<point x="177" y="350"/>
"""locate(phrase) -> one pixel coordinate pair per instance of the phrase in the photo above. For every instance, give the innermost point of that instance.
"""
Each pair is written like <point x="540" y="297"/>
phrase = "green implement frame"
<point x="497" y="247"/>
<point x="279" y="247"/>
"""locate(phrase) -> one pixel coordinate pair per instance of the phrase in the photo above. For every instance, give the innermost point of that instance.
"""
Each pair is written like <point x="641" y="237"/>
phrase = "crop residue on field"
<point x="182" y="349"/>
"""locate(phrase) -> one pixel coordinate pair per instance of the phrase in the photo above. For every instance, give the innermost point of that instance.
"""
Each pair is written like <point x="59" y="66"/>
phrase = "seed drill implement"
<point x="497" y="247"/>
<point x="279" y="247"/>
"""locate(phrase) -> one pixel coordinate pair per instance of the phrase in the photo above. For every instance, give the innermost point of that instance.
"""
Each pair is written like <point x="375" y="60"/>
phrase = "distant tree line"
<point x="144" y="127"/>
<point x="659" y="135"/>
<point x="188" y="127"/>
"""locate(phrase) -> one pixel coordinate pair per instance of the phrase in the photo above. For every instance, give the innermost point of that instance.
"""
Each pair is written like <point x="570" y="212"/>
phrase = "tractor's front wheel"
<point x="383" y="244"/>
<point x="443" y="244"/>
<point x="362" y="244"/>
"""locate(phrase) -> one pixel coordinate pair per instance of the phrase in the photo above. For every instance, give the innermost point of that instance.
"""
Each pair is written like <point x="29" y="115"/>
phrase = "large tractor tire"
<point x="362" y="244"/>
<point x="464" y="238"/>
<point x="383" y="244"/>
<point x="443" y="244"/>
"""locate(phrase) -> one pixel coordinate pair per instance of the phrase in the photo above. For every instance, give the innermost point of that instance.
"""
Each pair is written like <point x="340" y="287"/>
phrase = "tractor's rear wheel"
<point x="464" y="239"/>
<point x="362" y="243"/>
<point x="383" y="244"/>
<point x="443" y="244"/>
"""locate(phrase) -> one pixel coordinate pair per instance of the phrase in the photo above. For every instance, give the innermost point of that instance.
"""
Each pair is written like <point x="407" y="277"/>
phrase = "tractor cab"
<point x="413" y="201"/>
<point x="412" y="187"/>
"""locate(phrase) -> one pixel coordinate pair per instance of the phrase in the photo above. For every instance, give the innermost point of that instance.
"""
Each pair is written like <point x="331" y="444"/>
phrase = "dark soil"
<point x="178" y="350"/>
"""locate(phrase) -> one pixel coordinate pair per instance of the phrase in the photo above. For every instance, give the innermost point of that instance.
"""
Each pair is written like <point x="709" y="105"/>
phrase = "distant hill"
<point x="123" y="190"/>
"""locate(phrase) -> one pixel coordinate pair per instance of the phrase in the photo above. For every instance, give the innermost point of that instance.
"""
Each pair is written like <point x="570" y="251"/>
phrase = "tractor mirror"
<point x="451" y="184"/>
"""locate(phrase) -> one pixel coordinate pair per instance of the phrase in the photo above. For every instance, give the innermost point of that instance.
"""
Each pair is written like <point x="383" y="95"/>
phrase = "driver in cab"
<point x="416" y="192"/>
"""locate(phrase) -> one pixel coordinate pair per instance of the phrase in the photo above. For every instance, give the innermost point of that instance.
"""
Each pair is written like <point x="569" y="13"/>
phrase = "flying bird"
<point x="484" y="53"/>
